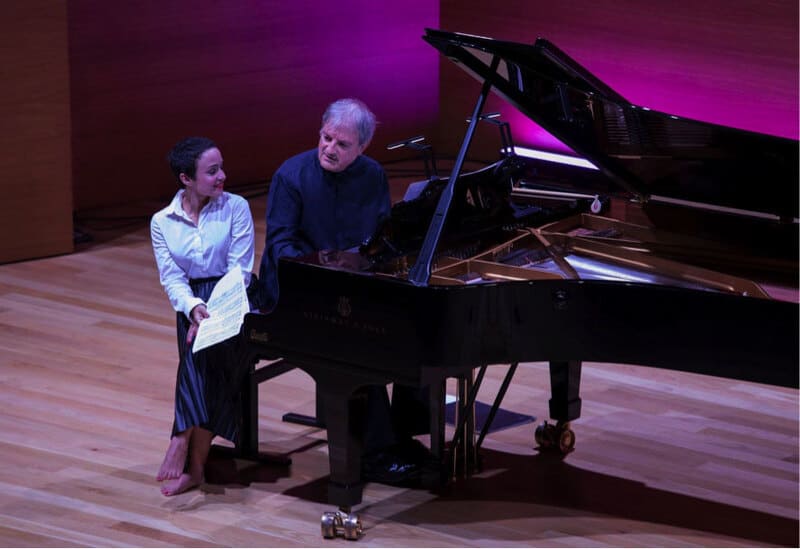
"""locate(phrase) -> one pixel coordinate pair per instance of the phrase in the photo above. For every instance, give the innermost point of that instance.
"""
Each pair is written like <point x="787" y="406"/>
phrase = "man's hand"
<point x="196" y="317"/>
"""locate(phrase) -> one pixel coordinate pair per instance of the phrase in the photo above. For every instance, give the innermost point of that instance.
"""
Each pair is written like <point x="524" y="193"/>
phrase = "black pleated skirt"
<point x="209" y="382"/>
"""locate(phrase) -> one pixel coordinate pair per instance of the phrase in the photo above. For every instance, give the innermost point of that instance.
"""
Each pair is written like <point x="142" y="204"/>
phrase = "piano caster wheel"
<point x="549" y="436"/>
<point x="329" y="523"/>
<point x="352" y="527"/>
<point x="544" y="435"/>
<point x="340" y="523"/>
<point x="566" y="440"/>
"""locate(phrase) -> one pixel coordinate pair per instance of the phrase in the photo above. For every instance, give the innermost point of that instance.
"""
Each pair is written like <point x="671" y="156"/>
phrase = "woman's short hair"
<point x="184" y="155"/>
<point x="351" y="111"/>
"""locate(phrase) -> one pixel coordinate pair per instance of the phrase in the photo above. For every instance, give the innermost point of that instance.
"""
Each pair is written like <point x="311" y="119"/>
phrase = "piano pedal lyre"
<point x="341" y="523"/>
<point x="558" y="436"/>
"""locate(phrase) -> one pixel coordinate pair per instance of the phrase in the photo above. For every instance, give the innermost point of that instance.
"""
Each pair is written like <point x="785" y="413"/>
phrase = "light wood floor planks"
<point x="87" y="366"/>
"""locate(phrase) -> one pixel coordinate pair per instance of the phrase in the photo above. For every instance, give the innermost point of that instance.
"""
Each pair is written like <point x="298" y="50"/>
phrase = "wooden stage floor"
<point x="87" y="369"/>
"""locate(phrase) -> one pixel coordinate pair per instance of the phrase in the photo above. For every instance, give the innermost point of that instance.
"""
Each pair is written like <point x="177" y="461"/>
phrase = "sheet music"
<point x="226" y="306"/>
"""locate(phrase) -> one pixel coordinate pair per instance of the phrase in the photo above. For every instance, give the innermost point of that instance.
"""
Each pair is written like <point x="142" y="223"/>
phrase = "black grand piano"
<point x="486" y="268"/>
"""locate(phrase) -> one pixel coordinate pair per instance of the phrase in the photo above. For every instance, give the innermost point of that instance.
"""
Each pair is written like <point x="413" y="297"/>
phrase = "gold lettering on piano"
<point x="344" y="322"/>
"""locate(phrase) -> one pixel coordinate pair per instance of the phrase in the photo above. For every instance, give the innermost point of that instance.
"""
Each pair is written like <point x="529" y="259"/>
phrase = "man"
<point x="332" y="198"/>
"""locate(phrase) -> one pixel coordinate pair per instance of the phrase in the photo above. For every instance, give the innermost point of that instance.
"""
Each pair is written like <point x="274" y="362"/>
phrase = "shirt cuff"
<point x="190" y="304"/>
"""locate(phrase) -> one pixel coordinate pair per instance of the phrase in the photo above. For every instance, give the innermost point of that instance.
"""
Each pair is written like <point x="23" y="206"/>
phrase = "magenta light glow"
<point x="729" y="63"/>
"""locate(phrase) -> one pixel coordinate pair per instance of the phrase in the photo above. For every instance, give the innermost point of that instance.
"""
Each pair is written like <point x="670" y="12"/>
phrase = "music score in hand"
<point x="226" y="307"/>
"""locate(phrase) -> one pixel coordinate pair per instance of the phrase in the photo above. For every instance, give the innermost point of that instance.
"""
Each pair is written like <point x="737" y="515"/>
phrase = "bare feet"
<point x="175" y="460"/>
<point x="181" y="484"/>
<point x="174" y="470"/>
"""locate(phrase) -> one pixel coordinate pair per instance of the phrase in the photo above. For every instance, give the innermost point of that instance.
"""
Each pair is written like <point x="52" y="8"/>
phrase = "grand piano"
<point x="487" y="268"/>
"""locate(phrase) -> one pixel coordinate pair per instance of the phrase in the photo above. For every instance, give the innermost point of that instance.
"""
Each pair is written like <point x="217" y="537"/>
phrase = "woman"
<point x="201" y="235"/>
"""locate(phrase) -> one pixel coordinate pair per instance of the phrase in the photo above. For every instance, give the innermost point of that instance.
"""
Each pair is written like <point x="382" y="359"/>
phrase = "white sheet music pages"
<point x="226" y="306"/>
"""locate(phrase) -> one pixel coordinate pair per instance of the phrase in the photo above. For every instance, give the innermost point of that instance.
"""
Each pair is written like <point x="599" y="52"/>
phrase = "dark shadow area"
<point x="546" y="479"/>
<point x="228" y="470"/>
<point x="556" y="487"/>
<point x="225" y="467"/>
<point x="315" y="491"/>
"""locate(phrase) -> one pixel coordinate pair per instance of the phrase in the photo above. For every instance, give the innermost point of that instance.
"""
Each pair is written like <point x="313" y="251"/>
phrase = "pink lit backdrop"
<point x="733" y="63"/>
<point x="255" y="75"/>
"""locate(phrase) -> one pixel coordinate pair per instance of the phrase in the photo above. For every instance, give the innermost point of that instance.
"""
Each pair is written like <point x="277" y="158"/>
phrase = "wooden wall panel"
<point x="730" y="62"/>
<point x="36" y="210"/>
<point x="253" y="76"/>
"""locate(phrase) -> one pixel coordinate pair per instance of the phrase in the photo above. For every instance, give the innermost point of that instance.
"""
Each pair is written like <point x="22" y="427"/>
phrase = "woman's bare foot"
<point x="175" y="460"/>
<point x="181" y="484"/>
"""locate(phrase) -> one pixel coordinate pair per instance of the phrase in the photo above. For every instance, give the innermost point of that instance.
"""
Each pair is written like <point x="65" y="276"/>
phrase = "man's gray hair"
<point x="353" y="112"/>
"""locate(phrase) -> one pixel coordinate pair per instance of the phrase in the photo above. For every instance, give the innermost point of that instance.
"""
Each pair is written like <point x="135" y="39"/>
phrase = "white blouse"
<point x="223" y="238"/>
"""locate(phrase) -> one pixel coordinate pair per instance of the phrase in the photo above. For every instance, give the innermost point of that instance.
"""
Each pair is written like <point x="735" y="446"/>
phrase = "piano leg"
<point x="437" y="418"/>
<point x="565" y="405"/>
<point x="565" y="384"/>
<point x="248" y="434"/>
<point x="345" y="418"/>
<point x="465" y="455"/>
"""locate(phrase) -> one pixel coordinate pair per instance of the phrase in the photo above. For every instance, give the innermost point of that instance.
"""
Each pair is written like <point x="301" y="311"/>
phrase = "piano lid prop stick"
<point x="420" y="273"/>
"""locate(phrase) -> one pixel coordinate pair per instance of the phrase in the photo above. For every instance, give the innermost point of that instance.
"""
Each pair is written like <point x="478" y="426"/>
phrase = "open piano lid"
<point x="655" y="156"/>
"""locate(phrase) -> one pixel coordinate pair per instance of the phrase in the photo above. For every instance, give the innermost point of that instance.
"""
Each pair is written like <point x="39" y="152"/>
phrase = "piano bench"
<point x="247" y="447"/>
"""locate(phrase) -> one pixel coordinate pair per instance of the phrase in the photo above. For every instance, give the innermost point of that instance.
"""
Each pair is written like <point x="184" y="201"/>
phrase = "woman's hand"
<point x="196" y="317"/>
